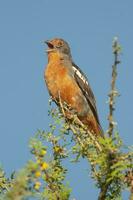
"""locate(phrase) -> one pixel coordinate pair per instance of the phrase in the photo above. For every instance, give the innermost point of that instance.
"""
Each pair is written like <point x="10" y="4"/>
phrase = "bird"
<point x="67" y="83"/>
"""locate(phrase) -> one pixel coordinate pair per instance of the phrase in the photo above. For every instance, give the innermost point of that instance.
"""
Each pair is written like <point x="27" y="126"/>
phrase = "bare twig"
<point x="113" y="92"/>
<point x="61" y="105"/>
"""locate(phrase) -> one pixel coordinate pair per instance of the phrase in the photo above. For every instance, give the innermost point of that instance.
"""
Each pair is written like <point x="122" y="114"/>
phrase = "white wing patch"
<point x="80" y="75"/>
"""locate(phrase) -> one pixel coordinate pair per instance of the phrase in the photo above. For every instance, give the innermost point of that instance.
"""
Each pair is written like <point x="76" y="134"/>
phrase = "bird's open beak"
<point x="50" y="46"/>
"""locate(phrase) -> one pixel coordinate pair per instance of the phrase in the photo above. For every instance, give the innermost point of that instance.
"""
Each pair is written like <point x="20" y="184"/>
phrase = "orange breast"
<point x="60" y="82"/>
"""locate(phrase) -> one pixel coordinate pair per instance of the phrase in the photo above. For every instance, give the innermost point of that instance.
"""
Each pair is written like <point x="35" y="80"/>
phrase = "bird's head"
<point x="58" y="45"/>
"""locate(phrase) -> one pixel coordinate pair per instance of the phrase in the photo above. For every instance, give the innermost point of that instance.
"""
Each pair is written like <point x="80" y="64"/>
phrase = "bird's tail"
<point x="93" y="126"/>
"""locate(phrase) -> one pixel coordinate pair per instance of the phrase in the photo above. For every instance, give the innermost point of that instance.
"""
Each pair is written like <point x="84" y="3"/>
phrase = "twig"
<point x="113" y="93"/>
<point x="61" y="105"/>
<point x="103" y="192"/>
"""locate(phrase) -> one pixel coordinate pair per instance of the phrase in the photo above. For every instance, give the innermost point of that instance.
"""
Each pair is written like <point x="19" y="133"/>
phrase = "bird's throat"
<point x="54" y="56"/>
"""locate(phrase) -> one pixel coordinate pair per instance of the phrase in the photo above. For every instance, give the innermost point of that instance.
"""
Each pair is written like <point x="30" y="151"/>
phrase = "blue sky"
<point x="89" y="27"/>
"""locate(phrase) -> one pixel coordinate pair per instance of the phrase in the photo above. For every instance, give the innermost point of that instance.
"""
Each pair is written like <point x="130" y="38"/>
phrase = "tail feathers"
<point x="101" y="130"/>
<point x="93" y="125"/>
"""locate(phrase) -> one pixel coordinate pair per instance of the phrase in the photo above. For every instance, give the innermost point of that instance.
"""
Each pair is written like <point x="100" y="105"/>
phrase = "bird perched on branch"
<point x="67" y="84"/>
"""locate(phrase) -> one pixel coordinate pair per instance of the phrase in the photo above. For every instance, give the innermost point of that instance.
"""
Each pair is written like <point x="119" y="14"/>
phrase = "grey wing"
<point x="83" y="83"/>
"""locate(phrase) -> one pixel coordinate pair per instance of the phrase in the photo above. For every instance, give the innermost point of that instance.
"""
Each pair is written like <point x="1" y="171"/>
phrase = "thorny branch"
<point x="113" y="92"/>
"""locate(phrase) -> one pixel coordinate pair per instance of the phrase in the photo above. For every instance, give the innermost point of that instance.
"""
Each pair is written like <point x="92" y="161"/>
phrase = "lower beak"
<point x="49" y="50"/>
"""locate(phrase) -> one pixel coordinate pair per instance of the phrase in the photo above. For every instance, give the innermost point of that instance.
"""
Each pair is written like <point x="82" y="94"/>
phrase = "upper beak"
<point x="50" y="45"/>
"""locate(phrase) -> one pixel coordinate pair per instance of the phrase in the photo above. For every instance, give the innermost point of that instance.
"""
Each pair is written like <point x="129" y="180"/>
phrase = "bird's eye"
<point x="59" y="44"/>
